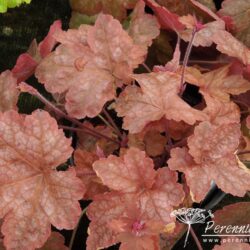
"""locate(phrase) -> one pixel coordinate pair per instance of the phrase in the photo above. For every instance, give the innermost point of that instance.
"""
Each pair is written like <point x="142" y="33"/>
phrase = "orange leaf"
<point x="33" y="195"/>
<point x="238" y="12"/>
<point x="139" y="209"/>
<point x="143" y="27"/>
<point x="219" y="84"/>
<point x="104" y="54"/>
<point x="130" y="173"/>
<point x="84" y="170"/>
<point x="55" y="242"/>
<point x="229" y="45"/>
<point x="158" y="97"/>
<point x="8" y="91"/>
<point x="232" y="246"/>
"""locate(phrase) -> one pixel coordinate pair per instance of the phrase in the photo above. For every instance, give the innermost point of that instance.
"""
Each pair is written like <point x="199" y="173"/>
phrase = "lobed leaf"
<point x="139" y="208"/>
<point x="33" y="194"/>
<point x="239" y="14"/>
<point x="91" y="63"/>
<point x="158" y="97"/>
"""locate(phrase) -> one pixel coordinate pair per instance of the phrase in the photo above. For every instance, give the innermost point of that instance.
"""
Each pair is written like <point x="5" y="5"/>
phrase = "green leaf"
<point x="5" y="4"/>
<point x="77" y="19"/>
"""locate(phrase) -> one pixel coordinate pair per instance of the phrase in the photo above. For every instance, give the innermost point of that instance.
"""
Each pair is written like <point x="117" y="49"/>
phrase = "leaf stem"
<point x="204" y="62"/>
<point x="245" y="112"/>
<point x="198" y="244"/>
<point x="243" y="152"/>
<point x="185" y="61"/>
<point x="27" y="88"/>
<point x="111" y="121"/>
<point x="106" y="123"/>
<point x="146" y="67"/>
<point x="78" y="130"/>
<point x="240" y="102"/>
<point x="76" y="228"/>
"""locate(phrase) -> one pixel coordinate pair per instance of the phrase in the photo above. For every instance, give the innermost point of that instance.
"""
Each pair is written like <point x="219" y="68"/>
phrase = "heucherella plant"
<point x="5" y="4"/>
<point x="124" y="132"/>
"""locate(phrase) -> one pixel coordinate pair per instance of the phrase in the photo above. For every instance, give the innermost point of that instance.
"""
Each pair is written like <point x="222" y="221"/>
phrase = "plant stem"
<point x="76" y="228"/>
<point x="185" y="61"/>
<point x="245" y="111"/>
<point x="60" y="113"/>
<point x="196" y="239"/>
<point x="243" y="152"/>
<point x="204" y="62"/>
<point x="112" y="122"/>
<point x="240" y="103"/>
<point x="79" y="130"/>
<point x="146" y="67"/>
<point x="106" y="122"/>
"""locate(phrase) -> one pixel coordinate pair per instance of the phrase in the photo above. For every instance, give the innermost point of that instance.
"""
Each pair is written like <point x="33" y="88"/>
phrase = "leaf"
<point x="154" y="143"/>
<point x="117" y="8"/>
<point x="89" y="7"/>
<point x="33" y="194"/>
<point x="221" y="113"/>
<point x="134" y="172"/>
<point x="123" y="220"/>
<point x="49" y="42"/>
<point x="169" y="240"/>
<point x="101" y="211"/>
<point x="211" y="157"/>
<point x="197" y="178"/>
<point x="27" y="62"/>
<point x="77" y="19"/>
<point x="230" y="216"/>
<point x="219" y="84"/>
<point x="204" y="36"/>
<point x="143" y="27"/>
<point x="114" y="47"/>
<point x="73" y="36"/>
<point x="239" y="13"/>
<point x="8" y="91"/>
<point x="145" y="197"/>
<point x="24" y="68"/>
<point x="131" y="173"/>
<point x="157" y="98"/>
<point x="152" y="138"/>
<point x="232" y="246"/>
<point x="167" y="19"/>
<point x="91" y="143"/>
<point x="136" y="230"/>
<point x="165" y="194"/>
<point x="235" y="215"/>
<point x="84" y="100"/>
<point x="184" y="7"/>
<point x="232" y="46"/>
<point x="203" y="6"/>
<point x="55" y="242"/>
<point x="104" y="54"/>
<point x="84" y="171"/>
<point x="172" y="65"/>
<point x="4" y="5"/>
